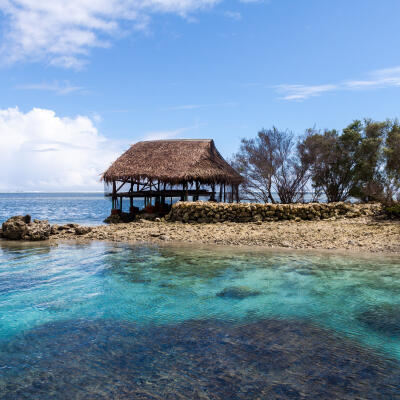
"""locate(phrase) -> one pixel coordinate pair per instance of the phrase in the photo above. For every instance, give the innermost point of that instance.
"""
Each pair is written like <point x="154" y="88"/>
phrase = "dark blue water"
<point x="59" y="208"/>
<point x="113" y="321"/>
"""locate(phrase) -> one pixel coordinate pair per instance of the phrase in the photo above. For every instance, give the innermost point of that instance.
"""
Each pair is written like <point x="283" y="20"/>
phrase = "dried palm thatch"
<point x="173" y="161"/>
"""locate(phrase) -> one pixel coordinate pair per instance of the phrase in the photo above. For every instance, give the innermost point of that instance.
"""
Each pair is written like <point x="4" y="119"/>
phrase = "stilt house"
<point x="161" y="171"/>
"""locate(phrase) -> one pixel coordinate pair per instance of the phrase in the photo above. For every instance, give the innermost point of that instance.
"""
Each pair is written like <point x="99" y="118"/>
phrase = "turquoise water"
<point x="67" y="292"/>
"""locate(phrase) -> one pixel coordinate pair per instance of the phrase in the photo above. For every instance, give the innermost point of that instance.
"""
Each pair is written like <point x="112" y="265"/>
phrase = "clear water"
<point x="63" y="304"/>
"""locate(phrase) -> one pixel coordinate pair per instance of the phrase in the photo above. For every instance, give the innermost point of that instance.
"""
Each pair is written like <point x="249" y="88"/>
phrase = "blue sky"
<point x="83" y="79"/>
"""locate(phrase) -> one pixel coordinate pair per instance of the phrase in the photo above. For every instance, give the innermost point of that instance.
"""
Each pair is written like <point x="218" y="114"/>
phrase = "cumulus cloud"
<point x="42" y="151"/>
<point x="382" y="78"/>
<point x="63" y="31"/>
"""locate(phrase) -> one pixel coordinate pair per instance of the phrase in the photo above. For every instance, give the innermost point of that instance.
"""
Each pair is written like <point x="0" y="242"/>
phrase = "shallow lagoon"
<point x="163" y="322"/>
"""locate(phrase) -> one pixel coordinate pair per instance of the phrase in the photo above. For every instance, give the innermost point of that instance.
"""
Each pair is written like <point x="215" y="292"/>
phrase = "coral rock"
<point x="21" y="228"/>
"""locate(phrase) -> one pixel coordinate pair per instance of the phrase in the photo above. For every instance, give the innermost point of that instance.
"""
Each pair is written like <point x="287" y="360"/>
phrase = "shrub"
<point x="392" y="211"/>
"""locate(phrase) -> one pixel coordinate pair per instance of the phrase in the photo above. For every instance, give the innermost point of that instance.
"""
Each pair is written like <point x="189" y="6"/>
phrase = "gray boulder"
<point x="22" y="228"/>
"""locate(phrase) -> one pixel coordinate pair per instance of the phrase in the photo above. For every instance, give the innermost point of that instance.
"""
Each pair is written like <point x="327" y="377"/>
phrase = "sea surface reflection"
<point x="149" y="322"/>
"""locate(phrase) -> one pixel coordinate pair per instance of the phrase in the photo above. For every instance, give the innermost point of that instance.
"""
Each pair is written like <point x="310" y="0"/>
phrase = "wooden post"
<point x="131" y="199"/>
<point x="237" y="194"/>
<point x="114" y="195"/>
<point x="183" y="192"/>
<point x="224" y="193"/>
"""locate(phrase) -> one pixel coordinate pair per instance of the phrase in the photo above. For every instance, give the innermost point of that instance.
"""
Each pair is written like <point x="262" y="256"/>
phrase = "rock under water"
<point x="384" y="319"/>
<point x="268" y="359"/>
<point x="238" y="292"/>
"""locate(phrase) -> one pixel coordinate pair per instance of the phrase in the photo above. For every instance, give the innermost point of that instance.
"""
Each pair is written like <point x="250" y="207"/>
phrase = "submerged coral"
<point x="268" y="359"/>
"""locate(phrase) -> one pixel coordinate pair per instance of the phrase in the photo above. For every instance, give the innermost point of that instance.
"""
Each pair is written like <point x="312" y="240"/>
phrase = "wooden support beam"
<point x="114" y="198"/>
<point x="213" y="191"/>
<point x="122" y="184"/>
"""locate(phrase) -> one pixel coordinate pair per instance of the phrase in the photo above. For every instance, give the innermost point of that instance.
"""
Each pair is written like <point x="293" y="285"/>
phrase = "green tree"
<point x="369" y="158"/>
<point x="331" y="160"/>
<point x="392" y="161"/>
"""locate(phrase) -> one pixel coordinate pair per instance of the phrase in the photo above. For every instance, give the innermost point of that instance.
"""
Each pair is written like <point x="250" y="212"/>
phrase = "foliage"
<point x="362" y="162"/>
<point x="270" y="164"/>
<point x="392" y="211"/>
<point x="330" y="160"/>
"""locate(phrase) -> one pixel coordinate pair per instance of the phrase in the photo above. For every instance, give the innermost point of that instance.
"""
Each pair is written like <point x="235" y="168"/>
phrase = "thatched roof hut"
<point x="162" y="169"/>
<point x="175" y="162"/>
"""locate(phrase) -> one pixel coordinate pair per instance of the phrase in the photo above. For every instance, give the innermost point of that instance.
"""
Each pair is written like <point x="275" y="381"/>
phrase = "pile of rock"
<point x="22" y="228"/>
<point x="74" y="229"/>
<point x="121" y="218"/>
<point x="206" y="212"/>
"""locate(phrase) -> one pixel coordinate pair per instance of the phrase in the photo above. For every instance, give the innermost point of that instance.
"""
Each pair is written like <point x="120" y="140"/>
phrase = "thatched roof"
<point x="173" y="161"/>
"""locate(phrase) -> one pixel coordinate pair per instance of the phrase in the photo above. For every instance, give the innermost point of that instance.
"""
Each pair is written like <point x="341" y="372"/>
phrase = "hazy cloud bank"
<point x="44" y="152"/>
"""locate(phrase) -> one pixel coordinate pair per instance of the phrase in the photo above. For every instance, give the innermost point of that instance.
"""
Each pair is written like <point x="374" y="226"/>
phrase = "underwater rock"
<point x="384" y="319"/>
<point x="208" y="359"/>
<point x="22" y="228"/>
<point x="238" y="292"/>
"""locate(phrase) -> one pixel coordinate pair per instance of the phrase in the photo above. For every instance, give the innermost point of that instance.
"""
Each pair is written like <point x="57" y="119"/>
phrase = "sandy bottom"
<point x="356" y="235"/>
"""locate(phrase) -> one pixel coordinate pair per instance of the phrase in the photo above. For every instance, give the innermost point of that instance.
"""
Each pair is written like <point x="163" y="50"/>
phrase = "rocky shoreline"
<point x="366" y="234"/>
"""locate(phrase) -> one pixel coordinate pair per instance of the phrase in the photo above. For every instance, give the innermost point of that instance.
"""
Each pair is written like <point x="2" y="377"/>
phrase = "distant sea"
<point x="58" y="208"/>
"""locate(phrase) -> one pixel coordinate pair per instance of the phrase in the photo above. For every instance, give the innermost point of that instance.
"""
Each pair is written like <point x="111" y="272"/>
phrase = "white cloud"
<point x="254" y="1"/>
<point x="62" y="32"/>
<point x="168" y="134"/>
<point x="233" y="15"/>
<point x="162" y="135"/>
<point x="383" y="78"/>
<point x="302" y="92"/>
<point x="56" y="87"/>
<point x="41" y="151"/>
<point x="388" y="77"/>
<point x="198" y="106"/>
